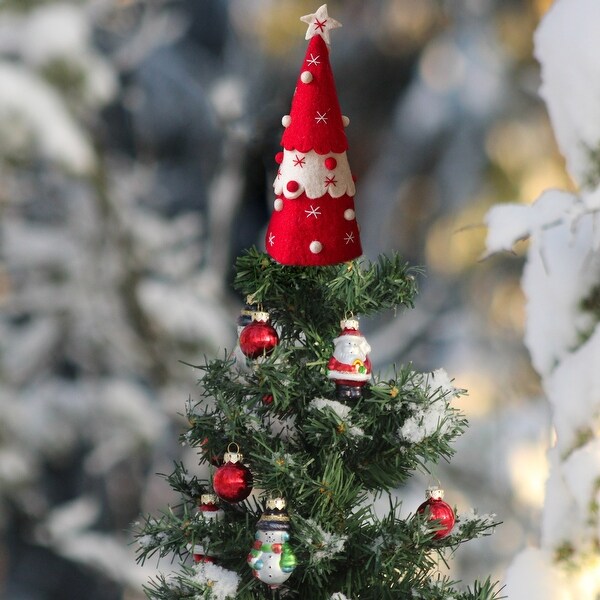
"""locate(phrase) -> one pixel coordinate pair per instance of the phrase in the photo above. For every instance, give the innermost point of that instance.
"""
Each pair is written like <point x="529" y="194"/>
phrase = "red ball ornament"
<point x="439" y="511"/>
<point x="232" y="481"/>
<point x="259" y="337"/>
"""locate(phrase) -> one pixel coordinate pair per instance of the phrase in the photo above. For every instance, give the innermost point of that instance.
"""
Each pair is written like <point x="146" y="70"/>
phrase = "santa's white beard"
<point x="348" y="355"/>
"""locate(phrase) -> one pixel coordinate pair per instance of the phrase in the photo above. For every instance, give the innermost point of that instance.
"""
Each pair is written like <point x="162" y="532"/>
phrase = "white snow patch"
<point x="556" y="529"/>
<point x="440" y="381"/>
<point x="436" y="415"/>
<point x="582" y="474"/>
<point x="509" y="223"/>
<point x="468" y="516"/>
<point x="328" y="544"/>
<point x="59" y="32"/>
<point x="28" y="103"/>
<point x="567" y="45"/>
<point x="555" y="279"/>
<point x="573" y="389"/>
<point x="533" y="576"/>
<point x="222" y="582"/>
<point x="341" y="411"/>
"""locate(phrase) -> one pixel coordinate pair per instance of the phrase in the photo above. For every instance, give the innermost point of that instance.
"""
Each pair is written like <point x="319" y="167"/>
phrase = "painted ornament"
<point x="232" y="481"/>
<point x="437" y="510"/>
<point x="314" y="220"/>
<point x="259" y="337"/>
<point x="208" y="510"/>
<point x="271" y="557"/>
<point x="350" y="366"/>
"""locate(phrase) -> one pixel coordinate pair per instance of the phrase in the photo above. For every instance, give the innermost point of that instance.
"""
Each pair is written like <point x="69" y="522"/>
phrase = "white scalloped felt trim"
<point x="308" y="170"/>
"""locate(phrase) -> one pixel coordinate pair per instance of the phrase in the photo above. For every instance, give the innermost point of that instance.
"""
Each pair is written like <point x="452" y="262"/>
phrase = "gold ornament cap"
<point x="275" y="516"/>
<point x="276" y="503"/>
<point x="260" y="315"/>
<point x="434" y="492"/>
<point x="209" y="499"/>
<point x="233" y="456"/>
<point x="349" y="324"/>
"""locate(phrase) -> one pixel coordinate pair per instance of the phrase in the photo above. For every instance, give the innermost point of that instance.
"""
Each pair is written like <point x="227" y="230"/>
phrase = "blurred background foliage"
<point x="136" y="158"/>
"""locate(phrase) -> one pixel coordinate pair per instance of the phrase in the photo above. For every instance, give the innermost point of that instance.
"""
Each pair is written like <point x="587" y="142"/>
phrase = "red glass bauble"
<point x="232" y="482"/>
<point x="441" y="512"/>
<point x="258" y="338"/>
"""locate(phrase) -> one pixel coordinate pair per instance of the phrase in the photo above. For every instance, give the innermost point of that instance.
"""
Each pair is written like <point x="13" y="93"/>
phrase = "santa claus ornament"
<point x="271" y="557"/>
<point x="232" y="481"/>
<point x="437" y="510"/>
<point x="350" y="366"/>
<point x="259" y="337"/>
<point x="314" y="221"/>
<point x="208" y="510"/>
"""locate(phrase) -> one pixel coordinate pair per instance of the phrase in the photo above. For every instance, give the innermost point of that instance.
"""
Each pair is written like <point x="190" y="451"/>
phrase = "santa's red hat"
<point x="314" y="221"/>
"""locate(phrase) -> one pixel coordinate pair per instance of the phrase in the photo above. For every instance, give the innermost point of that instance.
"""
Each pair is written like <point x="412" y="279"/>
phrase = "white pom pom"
<point x="345" y="121"/>
<point x="316" y="247"/>
<point x="278" y="204"/>
<point x="306" y="77"/>
<point x="349" y="214"/>
<point x="286" y="120"/>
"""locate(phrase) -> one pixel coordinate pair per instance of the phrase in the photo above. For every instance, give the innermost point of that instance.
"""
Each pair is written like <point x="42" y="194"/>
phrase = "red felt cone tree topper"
<point x="314" y="221"/>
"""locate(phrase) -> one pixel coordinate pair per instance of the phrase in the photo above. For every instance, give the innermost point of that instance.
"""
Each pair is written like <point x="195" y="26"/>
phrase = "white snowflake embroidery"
<point x="313" y="212"/>
<point x="349" y="237"/>
<point x="321" y="118"/>
<point x="271" y="239"/>
<point x="314" y="60"/>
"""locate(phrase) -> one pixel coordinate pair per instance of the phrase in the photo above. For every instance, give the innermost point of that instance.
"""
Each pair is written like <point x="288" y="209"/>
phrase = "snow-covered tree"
<point x="561" y="282"/>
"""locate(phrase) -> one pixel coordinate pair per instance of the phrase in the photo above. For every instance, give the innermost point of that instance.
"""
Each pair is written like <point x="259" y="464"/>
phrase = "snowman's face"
<point x="273" y="537"/>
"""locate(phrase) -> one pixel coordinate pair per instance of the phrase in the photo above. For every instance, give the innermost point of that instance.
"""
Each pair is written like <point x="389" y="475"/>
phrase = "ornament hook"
<point x="237" y="448"/>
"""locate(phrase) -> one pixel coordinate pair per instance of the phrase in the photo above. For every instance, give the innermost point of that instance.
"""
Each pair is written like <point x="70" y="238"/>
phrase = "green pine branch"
<point x="328" y="458"/>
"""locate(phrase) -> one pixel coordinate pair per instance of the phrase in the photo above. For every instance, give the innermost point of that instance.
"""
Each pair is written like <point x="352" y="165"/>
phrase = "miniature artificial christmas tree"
<point x="317" y="438"/>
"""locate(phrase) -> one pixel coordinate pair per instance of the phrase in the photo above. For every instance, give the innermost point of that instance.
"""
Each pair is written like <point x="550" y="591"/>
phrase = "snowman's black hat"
<point x="275" y="517"/>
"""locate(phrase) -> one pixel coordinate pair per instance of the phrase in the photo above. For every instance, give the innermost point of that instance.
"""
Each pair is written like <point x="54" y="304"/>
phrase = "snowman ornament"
<point x="271" y="557"/>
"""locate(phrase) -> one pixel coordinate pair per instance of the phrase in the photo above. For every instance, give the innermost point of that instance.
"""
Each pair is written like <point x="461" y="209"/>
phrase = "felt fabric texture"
<point x="304" y="220"/>
<point x="319" y="23"/>
<point x="316" y="118"/>
<point x="314" y="177"/>
<point x="314" y="222"/>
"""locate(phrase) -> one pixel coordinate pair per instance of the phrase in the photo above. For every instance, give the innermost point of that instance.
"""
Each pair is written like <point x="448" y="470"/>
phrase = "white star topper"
<point x="320" y="23"/>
